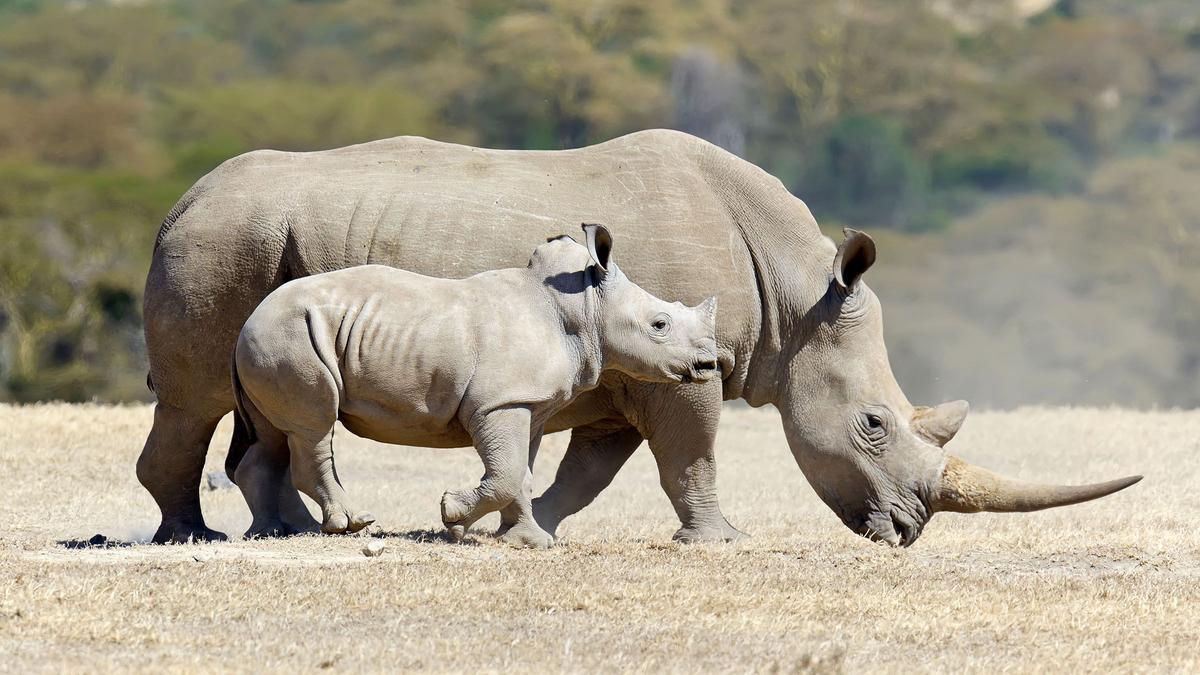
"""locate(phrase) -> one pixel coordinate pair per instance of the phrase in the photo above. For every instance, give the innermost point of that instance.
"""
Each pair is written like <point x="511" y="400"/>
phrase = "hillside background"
<point x="1031" y="170"/>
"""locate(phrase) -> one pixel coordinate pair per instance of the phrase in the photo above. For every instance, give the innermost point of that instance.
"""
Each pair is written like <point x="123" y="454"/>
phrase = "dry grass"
<point x="1113" y="585"/>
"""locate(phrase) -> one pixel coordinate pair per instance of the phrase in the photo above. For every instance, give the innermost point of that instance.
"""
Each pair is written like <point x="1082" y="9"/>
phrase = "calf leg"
<point x="517" y="525"/>
<point x="595" y="455"/>
<point x="314" y="474"/>
<point x="502" y="439"/>
<point x="510" y="514"/>
<point x="170" y="466"/>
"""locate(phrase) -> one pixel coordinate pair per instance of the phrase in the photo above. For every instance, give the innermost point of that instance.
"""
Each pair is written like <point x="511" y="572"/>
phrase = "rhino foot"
<point x="271" y="530"/>
<point x="340" y="521"/>
<point x="720" y="533"/>
<point x="457" y="531"/>
<point x="455" y="506"/>
<point x="293" y="512"/>
<point x="186" y="533"/>
<point x="523" y="535"/>
<point x="462" y="508"/>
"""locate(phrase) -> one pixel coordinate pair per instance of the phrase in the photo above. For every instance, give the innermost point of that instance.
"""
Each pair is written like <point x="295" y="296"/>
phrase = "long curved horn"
<point x="970" y="489"/>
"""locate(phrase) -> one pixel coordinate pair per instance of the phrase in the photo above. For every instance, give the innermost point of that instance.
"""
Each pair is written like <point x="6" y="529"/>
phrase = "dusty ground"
<point x="1112" y="585"/>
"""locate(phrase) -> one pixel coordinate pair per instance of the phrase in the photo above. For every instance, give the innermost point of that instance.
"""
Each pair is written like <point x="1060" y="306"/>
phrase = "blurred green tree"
<point x="984" y="118"/>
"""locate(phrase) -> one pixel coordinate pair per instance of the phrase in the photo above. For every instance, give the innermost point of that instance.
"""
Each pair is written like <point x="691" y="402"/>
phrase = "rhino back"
<point x="449" y="210"/>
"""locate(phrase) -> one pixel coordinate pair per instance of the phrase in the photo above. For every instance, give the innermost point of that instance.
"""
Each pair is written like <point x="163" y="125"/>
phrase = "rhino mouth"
<point x="899" y="533"/>
<point x="698" y="372"/>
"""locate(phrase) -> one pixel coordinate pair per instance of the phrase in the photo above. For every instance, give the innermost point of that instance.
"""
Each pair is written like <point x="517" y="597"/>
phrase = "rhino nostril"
<point x="702" y="366"/>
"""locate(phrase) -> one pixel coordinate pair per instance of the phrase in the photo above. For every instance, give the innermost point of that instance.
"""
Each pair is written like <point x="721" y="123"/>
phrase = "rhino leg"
<point x="259" y="476"/>
<point x="525" y="532"/>
<point x="503" y="441"/>
<point x="170" y="466"/>
<point x="595" y="455"/>
<point x="292" y="510"/>
<point x="314" y="474"/>
<point x="680" y="423"/>
<point x="512" y="514"/>
<point x="517" y="524"/>
<point x="294" y="515"/>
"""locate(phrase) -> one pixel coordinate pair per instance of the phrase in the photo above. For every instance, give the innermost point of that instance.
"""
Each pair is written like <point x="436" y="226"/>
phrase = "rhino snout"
<point x="701" y="370"/>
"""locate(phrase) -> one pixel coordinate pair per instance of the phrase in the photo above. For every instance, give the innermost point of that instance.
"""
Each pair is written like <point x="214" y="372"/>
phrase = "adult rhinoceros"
<point x="797" y="328"/>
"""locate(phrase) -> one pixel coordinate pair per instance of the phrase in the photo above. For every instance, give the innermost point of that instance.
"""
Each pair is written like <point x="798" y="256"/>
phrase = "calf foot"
<point x="457" y="506"/>
<point x="525" y="535"/>
<point x="360" y="520"/>
<point x="339" y="520"/>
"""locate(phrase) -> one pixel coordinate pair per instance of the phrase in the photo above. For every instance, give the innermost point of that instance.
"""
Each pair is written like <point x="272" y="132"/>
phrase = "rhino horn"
<point x="969" y="489"/>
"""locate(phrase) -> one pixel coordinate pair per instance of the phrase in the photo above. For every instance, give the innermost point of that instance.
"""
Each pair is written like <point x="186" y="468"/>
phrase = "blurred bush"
<point x="862" y="172"/>
<point x="975" y="132"/>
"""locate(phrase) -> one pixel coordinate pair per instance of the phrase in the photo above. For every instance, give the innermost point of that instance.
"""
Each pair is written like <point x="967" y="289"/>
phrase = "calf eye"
<point x="661" y="323"/>
<point x="874" y="421"/>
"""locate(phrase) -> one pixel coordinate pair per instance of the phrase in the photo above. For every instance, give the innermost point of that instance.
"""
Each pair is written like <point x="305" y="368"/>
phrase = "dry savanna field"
<point x="1110" y="585"/>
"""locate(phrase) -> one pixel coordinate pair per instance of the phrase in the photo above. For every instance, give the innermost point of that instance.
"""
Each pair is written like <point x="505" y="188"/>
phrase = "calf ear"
<point x="599" y="244"/>
<point x="854" y="257"/>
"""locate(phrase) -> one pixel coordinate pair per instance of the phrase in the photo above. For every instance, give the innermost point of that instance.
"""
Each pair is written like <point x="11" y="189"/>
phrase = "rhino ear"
<point x="854" y="257"/>
<point x="599" y="245"/>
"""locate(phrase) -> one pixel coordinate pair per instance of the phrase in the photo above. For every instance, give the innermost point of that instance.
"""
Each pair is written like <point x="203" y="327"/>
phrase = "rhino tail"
<point x="239" y="400"/>
<point x="240" y="406"/>
<point x="244" y="434"/>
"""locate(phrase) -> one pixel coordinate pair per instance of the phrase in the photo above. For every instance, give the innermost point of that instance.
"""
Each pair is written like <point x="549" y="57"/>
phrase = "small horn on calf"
<point x="966" y="488"/>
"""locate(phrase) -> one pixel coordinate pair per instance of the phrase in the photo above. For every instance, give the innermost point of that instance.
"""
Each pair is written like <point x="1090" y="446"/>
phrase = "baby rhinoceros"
<point x="403" y="358"/>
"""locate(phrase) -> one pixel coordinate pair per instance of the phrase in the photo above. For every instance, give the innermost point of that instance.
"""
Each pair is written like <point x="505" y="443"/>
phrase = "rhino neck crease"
<point x="792" y="262"/>
<point x="577" y="314"/>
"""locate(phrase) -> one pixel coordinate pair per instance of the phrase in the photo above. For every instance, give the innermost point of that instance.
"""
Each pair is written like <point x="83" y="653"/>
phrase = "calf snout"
<point x="704" y="365"/>
<point x="702" y="371"/>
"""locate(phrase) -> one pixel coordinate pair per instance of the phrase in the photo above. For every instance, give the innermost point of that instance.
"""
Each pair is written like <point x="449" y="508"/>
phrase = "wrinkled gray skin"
<point x="415" y="360"/>
<point x="798" y="329"/>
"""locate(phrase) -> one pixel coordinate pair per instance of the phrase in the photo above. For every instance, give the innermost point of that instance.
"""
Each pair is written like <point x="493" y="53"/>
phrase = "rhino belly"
<point x="402" y="427"/>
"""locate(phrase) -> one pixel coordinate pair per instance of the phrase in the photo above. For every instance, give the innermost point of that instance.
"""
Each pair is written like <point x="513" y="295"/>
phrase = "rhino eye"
<point x="660" y="324"/>
<point x="873" y="425"/>
<point x="870" y="431"/>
